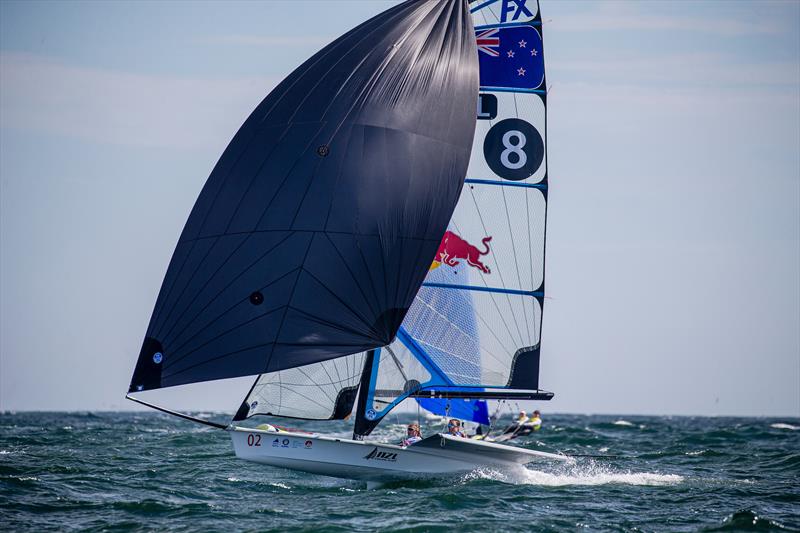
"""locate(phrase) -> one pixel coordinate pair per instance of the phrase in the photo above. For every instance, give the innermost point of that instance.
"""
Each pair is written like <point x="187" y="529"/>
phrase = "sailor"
<point x="454" y="428"/>
<point x="536" y="420"/>
<point x="413" y="436"/>
<point x="518" y="424"/>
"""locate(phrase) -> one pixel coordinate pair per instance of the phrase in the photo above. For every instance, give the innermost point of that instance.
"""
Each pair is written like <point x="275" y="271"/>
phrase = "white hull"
<point x="371" y="461"/>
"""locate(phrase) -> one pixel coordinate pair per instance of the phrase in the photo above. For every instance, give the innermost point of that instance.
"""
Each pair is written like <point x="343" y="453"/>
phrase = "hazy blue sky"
<point x="673" y="256"/>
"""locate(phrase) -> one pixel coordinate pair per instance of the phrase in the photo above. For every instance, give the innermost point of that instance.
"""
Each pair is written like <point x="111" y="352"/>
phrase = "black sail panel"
<point x="317" y="226"/>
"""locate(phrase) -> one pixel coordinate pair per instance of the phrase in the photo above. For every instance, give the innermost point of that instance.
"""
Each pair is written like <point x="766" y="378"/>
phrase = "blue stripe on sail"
<point x="485" y="4"/>
<point x="483" y="289"/>
<point x="373" y="380"/>
<point x="508" y="90"/>
<point x="422" y="356"/>
<point x="541" y="186"/>
<point x="503" y="24"/>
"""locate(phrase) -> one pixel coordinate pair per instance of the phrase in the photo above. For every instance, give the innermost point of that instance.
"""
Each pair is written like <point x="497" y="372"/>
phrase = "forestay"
<point x="476" y="322"/>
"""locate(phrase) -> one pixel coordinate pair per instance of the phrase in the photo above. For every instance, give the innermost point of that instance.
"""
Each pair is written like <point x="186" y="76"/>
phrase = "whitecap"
<point x="534" y="477"/>
<point x="621" y="422"/>
<point x="577" y="476"/>
<point x="781" y="425"/>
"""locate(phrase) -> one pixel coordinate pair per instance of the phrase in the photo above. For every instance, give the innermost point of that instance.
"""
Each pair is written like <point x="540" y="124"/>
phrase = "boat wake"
<point x="579" y="475"/>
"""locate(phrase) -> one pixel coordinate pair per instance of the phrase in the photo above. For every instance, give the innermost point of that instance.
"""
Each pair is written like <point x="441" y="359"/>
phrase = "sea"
<point x="153" y="472"/>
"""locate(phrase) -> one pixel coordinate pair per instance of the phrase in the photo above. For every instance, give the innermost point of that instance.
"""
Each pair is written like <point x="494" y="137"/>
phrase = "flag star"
<point x="521" y="71"/>
<point x="511" y="53"/>
<point x="534" y="52"/>
<point x="522" y="43"/>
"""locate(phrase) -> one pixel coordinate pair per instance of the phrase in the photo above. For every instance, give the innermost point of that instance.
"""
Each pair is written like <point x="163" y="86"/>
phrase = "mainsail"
<point x="474" y="328"/>
<point x="315" y="229"/>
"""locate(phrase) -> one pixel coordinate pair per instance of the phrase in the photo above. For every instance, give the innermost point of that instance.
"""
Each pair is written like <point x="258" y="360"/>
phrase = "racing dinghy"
<point x="438" y="454"/>
<point x="366" y="238"/>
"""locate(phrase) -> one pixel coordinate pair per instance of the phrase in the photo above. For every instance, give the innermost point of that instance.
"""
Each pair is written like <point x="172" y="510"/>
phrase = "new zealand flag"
<point x="510" y="57"/>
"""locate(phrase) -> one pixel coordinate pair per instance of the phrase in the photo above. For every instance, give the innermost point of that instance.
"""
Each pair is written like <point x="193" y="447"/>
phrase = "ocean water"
<point x="148" y="471"/>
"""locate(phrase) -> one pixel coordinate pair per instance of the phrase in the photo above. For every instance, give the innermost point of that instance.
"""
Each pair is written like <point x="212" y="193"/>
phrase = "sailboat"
<point x="366" y="238"/>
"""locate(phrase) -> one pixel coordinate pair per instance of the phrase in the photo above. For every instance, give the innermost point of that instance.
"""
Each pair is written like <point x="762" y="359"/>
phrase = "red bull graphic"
<point x="453" y="249"/>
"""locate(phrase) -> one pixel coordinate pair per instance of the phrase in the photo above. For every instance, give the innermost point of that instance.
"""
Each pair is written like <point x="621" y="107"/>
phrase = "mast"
<point x="363" y="425"/>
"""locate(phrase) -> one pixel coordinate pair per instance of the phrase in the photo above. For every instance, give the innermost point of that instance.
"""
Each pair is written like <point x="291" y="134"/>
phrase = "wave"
<point x="746" y="520"/>
<point x="781" y="425"/>
<point x="621" y="422"/>
<point x="629" y="478"/>
<point x="577" y="476"/>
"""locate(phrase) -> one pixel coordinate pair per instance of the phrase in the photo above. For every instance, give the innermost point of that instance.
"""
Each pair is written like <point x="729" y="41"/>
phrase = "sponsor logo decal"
<point x="276" y="443"/>
<point x="285" y="443"/>
<point x="371" y="414"/>
<point x="487" y="106"/>
<point x="513" y="149"/>
<point x="381" y="455"/>
<point x="517" y="7"/>
<point x="453" y="249"/>
<point x="309" y="444"/>
<point x="158" y="357"/>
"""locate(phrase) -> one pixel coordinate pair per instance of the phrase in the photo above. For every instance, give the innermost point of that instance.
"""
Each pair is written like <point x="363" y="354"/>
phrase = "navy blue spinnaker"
<point x="316" y="227"/>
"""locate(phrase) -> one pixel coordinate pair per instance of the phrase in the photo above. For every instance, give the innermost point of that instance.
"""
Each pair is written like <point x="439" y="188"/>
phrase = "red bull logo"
<point x="453" y="249"/>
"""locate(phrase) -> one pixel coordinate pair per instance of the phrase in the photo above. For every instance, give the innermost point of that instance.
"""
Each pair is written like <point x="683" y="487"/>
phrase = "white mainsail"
<point x="476" y="321"/>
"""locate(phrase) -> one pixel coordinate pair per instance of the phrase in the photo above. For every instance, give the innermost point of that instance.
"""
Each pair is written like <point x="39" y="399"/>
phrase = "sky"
<point x="673" y="243"/>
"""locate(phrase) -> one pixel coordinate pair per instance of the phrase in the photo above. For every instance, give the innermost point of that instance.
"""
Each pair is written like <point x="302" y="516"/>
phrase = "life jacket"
<point x="410" y="440"/>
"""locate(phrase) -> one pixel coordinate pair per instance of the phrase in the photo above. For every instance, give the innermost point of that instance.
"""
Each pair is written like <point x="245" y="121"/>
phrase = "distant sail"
<point x="316" y="227"/>
<point x="475" y="325"/>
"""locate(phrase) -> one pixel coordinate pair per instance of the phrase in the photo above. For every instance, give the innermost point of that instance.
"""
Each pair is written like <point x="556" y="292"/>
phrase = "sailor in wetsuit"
<point x="413" y="436"/>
